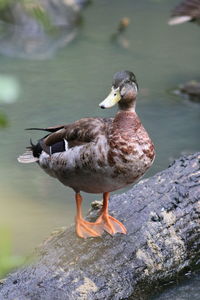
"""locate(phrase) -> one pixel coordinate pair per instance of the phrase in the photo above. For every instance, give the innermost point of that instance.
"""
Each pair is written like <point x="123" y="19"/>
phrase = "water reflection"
<point x="9" y="93"/>
<point x="9" y="89"/>
<point x="36" y="29"/>
<point x="188" y="289"/>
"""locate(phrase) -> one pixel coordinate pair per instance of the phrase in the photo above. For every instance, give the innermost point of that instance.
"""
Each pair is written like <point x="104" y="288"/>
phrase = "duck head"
<point x="124" y="91"/>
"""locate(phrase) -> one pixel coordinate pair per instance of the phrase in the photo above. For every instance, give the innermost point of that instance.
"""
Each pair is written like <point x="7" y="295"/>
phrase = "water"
<point x="71" y="85"/>
<point x="188" y="289"/>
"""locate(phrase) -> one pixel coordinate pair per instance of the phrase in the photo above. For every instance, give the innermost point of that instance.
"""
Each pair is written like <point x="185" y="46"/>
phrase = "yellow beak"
<point x="112" y="99"/>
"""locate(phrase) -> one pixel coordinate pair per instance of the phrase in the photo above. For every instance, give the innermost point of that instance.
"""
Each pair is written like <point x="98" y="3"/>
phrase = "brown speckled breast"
<point x="131" y="150"/>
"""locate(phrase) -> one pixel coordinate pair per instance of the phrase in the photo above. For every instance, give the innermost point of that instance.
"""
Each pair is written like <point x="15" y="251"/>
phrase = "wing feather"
<point x="80" y="132"/>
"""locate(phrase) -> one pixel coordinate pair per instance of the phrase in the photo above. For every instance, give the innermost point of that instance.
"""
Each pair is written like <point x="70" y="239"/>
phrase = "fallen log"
<point x="162" y="216"/>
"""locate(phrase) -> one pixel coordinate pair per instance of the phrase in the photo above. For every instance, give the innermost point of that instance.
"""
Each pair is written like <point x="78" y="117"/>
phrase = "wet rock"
<point x="31" y="29"/>
<point x="163" y="242"/>
<point x="189" y="90"/>
<point x="192" y="89"/>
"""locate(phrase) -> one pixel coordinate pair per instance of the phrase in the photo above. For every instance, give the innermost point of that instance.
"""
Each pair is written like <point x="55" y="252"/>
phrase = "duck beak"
<point x="113" y="98"/>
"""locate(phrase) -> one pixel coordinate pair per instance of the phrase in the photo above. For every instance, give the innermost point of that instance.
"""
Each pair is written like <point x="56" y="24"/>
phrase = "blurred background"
<point x="57" y="59"/>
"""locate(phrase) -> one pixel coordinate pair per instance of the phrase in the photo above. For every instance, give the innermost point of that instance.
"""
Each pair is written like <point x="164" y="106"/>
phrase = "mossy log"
<point x="162" y="216"/>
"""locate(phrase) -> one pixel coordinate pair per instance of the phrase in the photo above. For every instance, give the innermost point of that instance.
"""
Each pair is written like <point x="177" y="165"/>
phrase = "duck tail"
<point x="27" y="157"/>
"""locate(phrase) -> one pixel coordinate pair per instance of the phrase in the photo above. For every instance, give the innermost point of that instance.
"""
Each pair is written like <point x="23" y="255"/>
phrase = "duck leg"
<point x="108" y="223"/>
<point x="85" y="229"/>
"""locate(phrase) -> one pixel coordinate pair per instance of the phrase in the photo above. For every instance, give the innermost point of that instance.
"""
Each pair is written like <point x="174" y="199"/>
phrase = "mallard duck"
<point x="98" y="155"/>
<point x="186" y="11"/>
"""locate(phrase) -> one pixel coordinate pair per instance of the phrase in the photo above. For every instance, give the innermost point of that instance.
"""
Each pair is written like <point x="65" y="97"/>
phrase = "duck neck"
<point x="126" y="120"/>
<point x="127" y="106"/>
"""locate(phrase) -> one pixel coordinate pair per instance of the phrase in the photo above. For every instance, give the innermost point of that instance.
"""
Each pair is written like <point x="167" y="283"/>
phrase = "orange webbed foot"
<point x="110" y="224"/>
<point x="86" y="229"/>
<point x="104" y="222"/>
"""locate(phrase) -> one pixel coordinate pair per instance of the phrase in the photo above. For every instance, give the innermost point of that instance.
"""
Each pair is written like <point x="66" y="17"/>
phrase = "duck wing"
<point x="78" y="133"/>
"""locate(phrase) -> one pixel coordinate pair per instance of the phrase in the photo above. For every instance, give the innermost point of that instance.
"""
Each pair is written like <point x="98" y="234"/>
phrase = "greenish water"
<point x="188" y="289"/>
<point x="70" y="86"/>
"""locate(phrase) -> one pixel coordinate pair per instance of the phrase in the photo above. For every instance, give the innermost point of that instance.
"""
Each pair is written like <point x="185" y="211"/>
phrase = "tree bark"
<point x="162" y="216"/>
